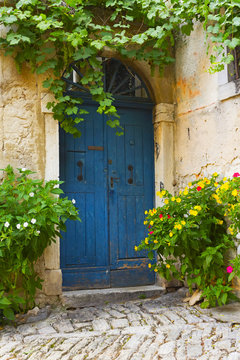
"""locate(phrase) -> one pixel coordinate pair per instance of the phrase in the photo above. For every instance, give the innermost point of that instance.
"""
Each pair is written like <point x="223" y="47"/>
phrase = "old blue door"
<point x="111" y="179"/>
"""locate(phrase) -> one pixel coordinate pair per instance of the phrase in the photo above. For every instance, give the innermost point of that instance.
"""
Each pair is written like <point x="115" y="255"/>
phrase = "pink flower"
<point x="229" y="269"/>
<point x="199" y="188"/>
<point x="236" y="175"/>
<point x="161" y="216"/>
<point x="151" y="232"/>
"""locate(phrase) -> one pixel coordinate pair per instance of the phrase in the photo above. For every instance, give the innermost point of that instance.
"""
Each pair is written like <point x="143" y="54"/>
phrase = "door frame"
<point x="164" y="126"/>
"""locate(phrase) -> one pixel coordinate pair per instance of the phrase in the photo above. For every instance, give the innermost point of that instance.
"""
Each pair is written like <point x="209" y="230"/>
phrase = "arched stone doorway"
<point x="160" y="89"/>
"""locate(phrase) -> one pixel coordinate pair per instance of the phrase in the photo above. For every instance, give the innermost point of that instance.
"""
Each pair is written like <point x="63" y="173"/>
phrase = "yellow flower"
<point x="155" y="241"/>
<point x="215" y="184"/>
<point x="169" y="244"/>
<point x="185" y="192"/>
<point x="183" y="222"/>
<point x="189" y="184"/>
<point x="178" y="200"/>
<point x="201" y="184"/>
<point x="216" y="197"/>
<point x="166" y="201"/>
<point x="159" y="194"/>
<point x="167" y="266"/>
<point x="224" y="179"/>
<point x="198" y="208"/>
<point x="220" y="222"/>
<point x="135" y="248"/>
<point x="146" y="241"/>
<point x="234" y="192"/>
<point x="145" y="222"/>
<point x="171" y="234"/>
<point x="178" y="227"/>
<point x="146" y="212"/>
<point x="225" y="186"/>
<point x="215" y="174"/>
<point x="151" y="223"/>
<point x="230" y="230"/>
<point x="173" y="198"/>
<point x="156" y="270"/>
<point x="193" y="212"/>
<point x="149" y="265"/>
<point x="163" y="192"/>
<point x="154" y="211"/>
<point x="207" y="181"/>
<point x="180" y="192"/>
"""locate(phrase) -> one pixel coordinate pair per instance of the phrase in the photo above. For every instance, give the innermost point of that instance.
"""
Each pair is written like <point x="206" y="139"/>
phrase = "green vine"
<point x="49" y="34"/>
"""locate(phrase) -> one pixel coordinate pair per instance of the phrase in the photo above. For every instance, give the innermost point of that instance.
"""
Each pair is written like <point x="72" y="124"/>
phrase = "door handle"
<point x="130" y="168"/>
<point x="112" y="179"/>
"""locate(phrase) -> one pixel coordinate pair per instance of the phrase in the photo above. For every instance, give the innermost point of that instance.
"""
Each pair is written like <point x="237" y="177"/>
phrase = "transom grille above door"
<point x="118" y="79"/>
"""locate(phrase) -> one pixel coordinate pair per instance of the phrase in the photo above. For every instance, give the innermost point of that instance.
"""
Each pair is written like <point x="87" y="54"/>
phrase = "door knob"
<point x="80" y="176"/>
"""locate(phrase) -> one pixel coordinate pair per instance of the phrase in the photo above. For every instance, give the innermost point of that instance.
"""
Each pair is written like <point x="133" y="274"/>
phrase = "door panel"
<point x="131" y="194"/>
<point x="84" y="248"/>
<point x="111" y="179"/>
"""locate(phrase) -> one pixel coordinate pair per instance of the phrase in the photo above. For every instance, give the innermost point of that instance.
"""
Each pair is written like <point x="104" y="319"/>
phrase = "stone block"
<point x="52" y="256"/>
<point x="52" y="282"/>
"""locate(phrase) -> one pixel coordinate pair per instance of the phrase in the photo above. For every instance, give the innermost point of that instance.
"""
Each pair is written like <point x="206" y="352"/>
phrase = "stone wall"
<point x="23" y="143"/>
<point x="197" y="135"/>
<point x="207" y="130"/>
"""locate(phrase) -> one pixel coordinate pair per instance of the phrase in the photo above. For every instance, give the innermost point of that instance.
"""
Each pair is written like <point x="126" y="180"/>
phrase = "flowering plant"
<point x="189" y="233"/>
<point x="31" y="216"/>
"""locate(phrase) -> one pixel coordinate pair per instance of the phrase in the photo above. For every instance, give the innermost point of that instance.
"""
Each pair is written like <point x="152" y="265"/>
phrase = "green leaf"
<point x="9" y="314"/>
<point x="5" y="301"/>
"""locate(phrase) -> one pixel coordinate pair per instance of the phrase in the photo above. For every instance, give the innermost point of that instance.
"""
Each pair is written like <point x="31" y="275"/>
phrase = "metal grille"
<point x="234" y="67"/>
<point x="118" y="79"/>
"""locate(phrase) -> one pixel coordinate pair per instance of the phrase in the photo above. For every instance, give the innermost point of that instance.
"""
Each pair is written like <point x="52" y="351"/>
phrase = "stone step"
<point x="94" y="297"/>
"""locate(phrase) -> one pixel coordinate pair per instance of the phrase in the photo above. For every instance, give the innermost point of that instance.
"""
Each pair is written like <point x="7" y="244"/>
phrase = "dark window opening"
<point x="234" y="67"/>
<point x="118" y="79"/>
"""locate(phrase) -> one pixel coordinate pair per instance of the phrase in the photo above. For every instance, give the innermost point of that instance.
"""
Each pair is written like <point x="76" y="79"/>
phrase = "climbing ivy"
<point x="49" y="34"/>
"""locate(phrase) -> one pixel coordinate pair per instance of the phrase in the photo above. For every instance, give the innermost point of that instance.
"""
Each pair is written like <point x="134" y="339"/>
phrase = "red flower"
<point x="199" y="188"/>
<point x="151" y="232"/>
<point x="149" y="226"/>
<point x="236" y="175"/>
<point x="169" y="216"/>
<point x="161" y="216"/>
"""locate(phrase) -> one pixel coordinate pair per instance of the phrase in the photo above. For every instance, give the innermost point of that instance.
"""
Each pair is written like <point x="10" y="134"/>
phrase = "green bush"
<point x="191" y="237"/>
<point x="31" y="217"/>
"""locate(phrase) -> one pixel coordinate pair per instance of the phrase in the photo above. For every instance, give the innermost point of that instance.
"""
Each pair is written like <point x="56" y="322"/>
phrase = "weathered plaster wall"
<point x="207" y="129"/>
<point x="22" y="127"/>
<point x="27" y="140"/>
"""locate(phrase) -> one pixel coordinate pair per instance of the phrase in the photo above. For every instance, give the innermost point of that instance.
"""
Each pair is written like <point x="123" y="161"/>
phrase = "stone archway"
<point x="161" y="90"/>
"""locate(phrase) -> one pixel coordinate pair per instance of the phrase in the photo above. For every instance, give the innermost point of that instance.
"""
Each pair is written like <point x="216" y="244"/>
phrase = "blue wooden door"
<point x="111" y="180"/>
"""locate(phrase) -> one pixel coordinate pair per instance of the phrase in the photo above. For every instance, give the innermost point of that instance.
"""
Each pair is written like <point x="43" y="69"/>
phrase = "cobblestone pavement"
<point x="163" y="328"/>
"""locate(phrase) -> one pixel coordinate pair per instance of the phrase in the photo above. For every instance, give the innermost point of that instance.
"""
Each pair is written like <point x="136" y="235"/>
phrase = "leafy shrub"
<point x="191" y="237"/>
<point x="31" y="217"/>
